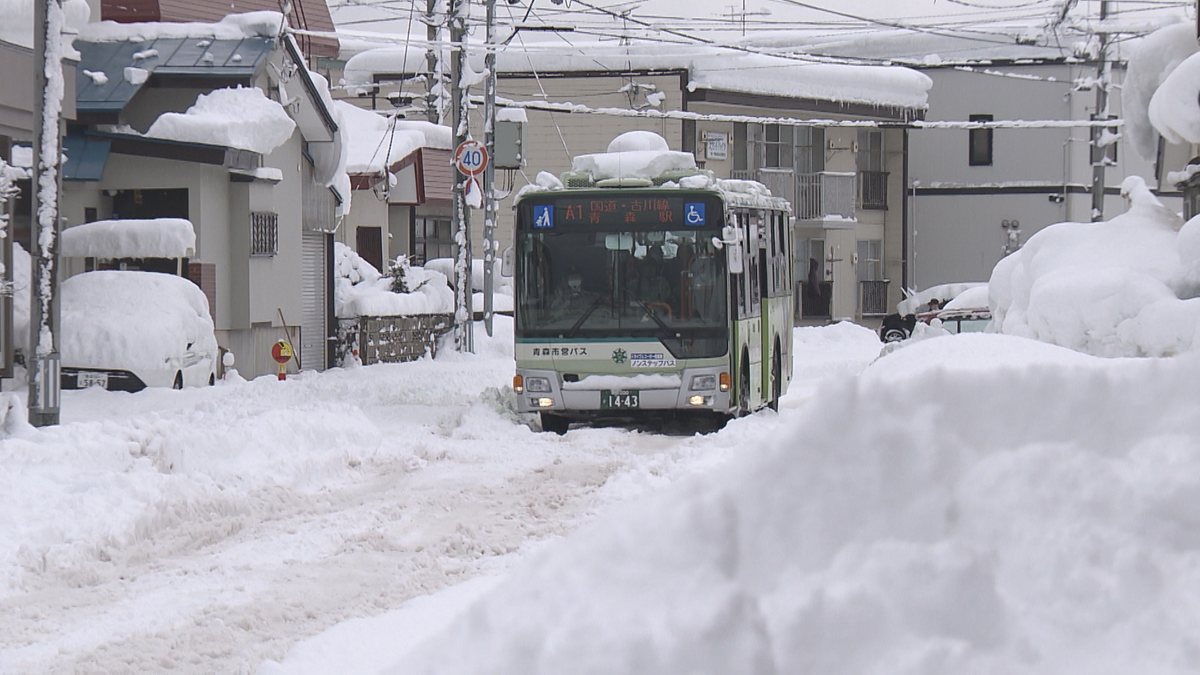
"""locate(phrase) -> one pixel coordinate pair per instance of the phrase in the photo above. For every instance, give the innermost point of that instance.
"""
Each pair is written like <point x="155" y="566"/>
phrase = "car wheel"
<point x="555" y="423"/>
<point x="212" y="379"/>
<point x="178" y="383"/>
<point x="895" y="335"/>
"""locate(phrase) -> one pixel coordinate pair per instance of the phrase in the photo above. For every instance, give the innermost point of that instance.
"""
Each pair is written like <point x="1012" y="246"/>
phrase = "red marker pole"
<point x="282" y="353"/>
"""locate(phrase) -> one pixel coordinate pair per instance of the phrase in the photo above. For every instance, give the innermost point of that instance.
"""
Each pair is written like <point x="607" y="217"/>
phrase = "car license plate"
<point x="87" y="379"/>
<point x="626" y="398"/>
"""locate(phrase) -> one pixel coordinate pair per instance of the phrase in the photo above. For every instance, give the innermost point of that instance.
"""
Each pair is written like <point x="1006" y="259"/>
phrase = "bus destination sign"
<point x="642" y="211"/>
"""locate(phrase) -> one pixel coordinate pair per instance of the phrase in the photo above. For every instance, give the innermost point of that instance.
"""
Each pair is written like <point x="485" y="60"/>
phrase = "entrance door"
<point x="369" y="242"/>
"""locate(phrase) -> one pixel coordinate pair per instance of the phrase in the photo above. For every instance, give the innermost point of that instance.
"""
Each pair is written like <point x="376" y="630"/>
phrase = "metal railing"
<point x="824" y="194"/>
<point x="872" y="298"/>
<point x="813" y="301"/>
<point x="874" y="189"/>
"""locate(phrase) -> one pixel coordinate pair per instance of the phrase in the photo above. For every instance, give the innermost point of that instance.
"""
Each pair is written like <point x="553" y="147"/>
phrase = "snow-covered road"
<point x="210" y="529"/>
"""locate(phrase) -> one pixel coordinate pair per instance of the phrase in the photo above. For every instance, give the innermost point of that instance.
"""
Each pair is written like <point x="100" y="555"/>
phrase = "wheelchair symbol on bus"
<point x="693" y="213"/>
<point x="543" y="216"/>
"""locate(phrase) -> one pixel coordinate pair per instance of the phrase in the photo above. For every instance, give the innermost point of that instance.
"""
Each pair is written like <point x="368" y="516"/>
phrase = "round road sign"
<point x="471" y="158"/>
<point x="281" y="351"/>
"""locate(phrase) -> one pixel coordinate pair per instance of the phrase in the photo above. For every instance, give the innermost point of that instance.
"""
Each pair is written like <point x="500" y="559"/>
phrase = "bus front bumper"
<point x="696" y="389"/>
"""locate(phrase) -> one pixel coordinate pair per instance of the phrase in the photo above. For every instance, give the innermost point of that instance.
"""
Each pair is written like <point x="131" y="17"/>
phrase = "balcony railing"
<point x="814" y="196"/>
<point x="824" y="194"/>
<point x="873" y="298"/>
<point x="874" y="189"/>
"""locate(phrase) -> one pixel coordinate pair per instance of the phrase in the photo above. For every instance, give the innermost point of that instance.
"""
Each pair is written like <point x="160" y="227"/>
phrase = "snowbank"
<point x="155" y="238"/>
<point x="1126" y="287"/>
<point x="929" y="519"/>
<point x="237" y="118"/>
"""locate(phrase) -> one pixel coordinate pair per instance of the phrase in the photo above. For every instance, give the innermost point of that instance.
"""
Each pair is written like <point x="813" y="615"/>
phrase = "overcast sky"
<point x="723" y="19"/>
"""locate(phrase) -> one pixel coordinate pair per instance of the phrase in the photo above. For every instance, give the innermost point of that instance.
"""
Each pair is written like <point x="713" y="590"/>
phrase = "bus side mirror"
<point x="734" y="258"/>
<point x="506" y="262"/>
<point x="732" y="237"/>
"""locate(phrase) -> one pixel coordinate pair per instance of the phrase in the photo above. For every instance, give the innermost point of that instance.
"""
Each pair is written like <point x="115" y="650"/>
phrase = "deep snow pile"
<point x="929" y="517"/>
<point x="1126" y="287"/>
<point x="1151" y="61"/>
<point x="360" y="290"/>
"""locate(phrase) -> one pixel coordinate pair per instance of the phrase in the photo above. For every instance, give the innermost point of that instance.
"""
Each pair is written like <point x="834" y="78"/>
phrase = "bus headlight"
<point x="699" y="400"/>
<point x="704" y="382"/>
<point x="543" y="402"/>
<point x="537" y="384"/>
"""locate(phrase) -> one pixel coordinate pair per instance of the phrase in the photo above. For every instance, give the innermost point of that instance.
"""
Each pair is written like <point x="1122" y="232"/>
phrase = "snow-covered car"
<point x="125" y="330"/>
<point x="967" y="311"/>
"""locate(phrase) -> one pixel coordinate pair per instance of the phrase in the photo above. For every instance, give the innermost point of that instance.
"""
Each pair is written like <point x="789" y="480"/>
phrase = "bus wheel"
<point x="776" y="379"/>
<point x="744" y="387"/>
<point x="555" y="423"/>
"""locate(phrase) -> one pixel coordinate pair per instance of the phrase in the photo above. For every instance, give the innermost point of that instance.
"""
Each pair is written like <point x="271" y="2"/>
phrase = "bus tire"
<point x="776" y="378"/>
<point x="555" y="423"/>
<point x="744" y="407"/>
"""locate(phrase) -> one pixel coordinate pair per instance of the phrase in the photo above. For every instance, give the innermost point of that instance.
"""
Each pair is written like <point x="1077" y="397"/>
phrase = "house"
<point x="401" y="177"/>
<point x="223" y="125"/>
<point x="976" y="194"/>
<point x="775" y="120"/>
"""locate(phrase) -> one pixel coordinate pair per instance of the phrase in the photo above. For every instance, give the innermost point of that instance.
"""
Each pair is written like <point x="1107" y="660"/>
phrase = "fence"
<point x="873" y="298"/>
<point x="828" y="193"/>
<point x="874" y="189"/>
<point x="391" y="339"/>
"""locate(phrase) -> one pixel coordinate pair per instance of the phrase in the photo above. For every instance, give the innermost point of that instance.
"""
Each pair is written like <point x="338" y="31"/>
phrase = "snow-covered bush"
<point x="361" y="290"/>
<point x="1126" y="287"/>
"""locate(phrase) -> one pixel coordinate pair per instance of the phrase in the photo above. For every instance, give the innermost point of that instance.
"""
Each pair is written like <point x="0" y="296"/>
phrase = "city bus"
<point x="651" y="300"/>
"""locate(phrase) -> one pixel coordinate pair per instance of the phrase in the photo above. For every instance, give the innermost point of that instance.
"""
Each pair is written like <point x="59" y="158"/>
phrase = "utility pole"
<point x="433" y="79"/>
<point x="464" y="314"/>
<point x="42" y="361"/>
<point x="1099" y="153"/>
<point x="490" y="203"/>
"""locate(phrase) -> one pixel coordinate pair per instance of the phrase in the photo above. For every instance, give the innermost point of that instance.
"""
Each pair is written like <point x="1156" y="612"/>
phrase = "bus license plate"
<point x="628" y="398"/>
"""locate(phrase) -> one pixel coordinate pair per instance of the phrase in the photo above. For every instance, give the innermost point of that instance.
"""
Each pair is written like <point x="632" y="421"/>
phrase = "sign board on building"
<point x="716" y="145"/>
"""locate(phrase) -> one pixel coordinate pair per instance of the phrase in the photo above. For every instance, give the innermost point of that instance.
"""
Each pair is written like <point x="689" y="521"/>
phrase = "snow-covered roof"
<point x="232" y="27"/>
<point x="707" y="68"/>
<point x="375" y="142"/>
<point x="154" y="238"/>
<point x="236" y="118"/>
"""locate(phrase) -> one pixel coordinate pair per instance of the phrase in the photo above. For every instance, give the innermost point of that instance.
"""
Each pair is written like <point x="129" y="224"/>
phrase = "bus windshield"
<point x="668" y="284"/>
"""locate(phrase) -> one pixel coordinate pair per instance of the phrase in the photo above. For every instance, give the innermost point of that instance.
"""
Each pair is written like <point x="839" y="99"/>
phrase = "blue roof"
<point x="181" y="57"/>
<point x="86" y="156"/>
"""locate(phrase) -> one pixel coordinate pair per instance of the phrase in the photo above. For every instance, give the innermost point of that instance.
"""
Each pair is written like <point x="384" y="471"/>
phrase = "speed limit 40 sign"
<point x="471" y="158"/>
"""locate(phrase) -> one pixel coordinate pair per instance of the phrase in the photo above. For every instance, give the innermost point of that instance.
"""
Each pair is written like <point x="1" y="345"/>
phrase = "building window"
<point x="777" y="146"/>
<point x="264" y="233"/>
<point x="432" y="239"/>
<point x="981" y="142"/>
<point x="870" y="260"/>
<point x="810" y="149"/>
<point x="741" y="147"/>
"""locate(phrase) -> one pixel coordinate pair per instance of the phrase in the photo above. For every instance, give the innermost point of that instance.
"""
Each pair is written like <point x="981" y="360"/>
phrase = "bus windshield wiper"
<point x="586" y="314"/>
<point x="650" y="312"/>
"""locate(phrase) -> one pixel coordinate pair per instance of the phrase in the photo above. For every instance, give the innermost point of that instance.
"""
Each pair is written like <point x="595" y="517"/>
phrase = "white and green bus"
<point x="651" y="300"/>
